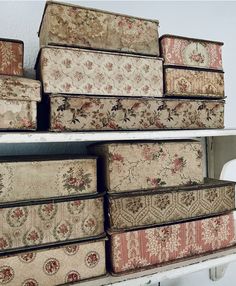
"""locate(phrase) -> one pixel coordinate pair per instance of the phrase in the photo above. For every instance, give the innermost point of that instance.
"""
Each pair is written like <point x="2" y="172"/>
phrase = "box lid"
<point x="190" y="39"/>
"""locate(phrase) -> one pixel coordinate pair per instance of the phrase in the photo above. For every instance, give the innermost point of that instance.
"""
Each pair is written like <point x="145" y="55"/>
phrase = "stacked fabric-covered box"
<point x="18" y="95"/>
<point x="52" y="221"/>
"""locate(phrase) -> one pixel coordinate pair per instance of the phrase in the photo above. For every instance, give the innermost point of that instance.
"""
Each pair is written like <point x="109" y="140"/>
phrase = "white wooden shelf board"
<point x="44" y="137"/>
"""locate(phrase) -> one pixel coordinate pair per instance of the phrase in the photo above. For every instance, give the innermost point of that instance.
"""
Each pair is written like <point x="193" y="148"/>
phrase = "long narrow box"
<point x="73" y="113"/>
<point x="132" y="210"/>
<point x="54" y="266"/>
<point x="154" y="246"/>
<point x="37" y="177"/>
<point x="150" y="165"/>
<point x="65" y="24"/>
<point x="183" y="51"/>
<point x="186" y="82"/>
<point x="76" y="71"/>
<point x="32" y="224"/>
<point x="18" y="103"/>
<point x="11" y="57"/>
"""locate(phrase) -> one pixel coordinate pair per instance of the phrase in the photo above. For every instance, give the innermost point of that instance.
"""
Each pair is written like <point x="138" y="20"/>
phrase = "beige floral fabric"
<point x="75" y="71"/>
<point x="193" y="83"/>
<point x="180" y="203"/>
<point x="80" y="113"/>
<point x="51" y="222"/>
<point x="54" y="266"/>
<point x="21" y="180"/>
<point x="84" y="27"/>
<point x="143" y="166"/>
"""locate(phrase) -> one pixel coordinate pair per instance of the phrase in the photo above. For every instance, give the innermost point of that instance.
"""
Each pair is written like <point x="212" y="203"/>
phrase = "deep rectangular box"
<point x="54" y="266"/>
<point x="81" y="113"/>
<point x="77" y="71"/>
<point x="162" y="206"/>
<point x="148" y="165"/>
<point x="155" y="246"/>
<point x="71" y="25"/>
<point x="11" y="57"/>
<point x="184" y="51"/>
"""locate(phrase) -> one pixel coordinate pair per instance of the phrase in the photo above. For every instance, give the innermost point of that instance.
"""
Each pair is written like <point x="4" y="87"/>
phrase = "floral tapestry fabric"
<point x="193" y="83"/>
<point x="32" y="225"/>
<point x="76" y="71"/>
<point x="80" y="113"/>
<point x="45" y="179"/>
<point x="11" y="57"/>
<point x="154" y="246"/>
<point x="182" y="203"/>
<point x="54" y="266"/>
<point x="191" y="52"/>
<point x="143" y="166"/>
<point x="90" y="28"/>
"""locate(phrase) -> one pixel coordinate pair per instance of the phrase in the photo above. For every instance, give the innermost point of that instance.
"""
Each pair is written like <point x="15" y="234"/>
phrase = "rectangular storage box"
<point x="81" y="113"/>
<point x="54" y="266"/>
<point x="37" y="177"/>
<point x="149" y="165"/>
<point x="127" y="211"/>
<point x="18" y="103"/>
<point x="154" y="246"/>
<point x="70" y="25"/>
<point x="76" y="71"/>
<point x="186" y="82"/>
<point x="183" y="51"/>
<point x="33" y="223"/>
<point x="11" y="57"/>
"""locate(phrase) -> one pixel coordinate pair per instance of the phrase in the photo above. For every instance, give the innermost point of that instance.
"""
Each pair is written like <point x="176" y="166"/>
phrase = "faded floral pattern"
<point x="53" y="266"/>
<point x="195" y="83"/>
<point x="37" y="224"/>
<point x="189" y="52"/>
<point x="167" y="243"/>
<point x="59" y="178"/>
<point x="75" y="71"/>
<point x="11" y="57"/>
<point x="118" y="178"/>
<point x="182" y="203"/>
<point x="83" y="27"/>
<point x="97" y="113"/>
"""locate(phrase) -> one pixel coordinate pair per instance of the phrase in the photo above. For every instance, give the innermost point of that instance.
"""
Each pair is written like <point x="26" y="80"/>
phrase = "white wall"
<point x="210" y="20"/>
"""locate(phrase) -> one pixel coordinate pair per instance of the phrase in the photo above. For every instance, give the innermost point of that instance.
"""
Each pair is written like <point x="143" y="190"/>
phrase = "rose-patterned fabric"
<point x="11" y="57"/>
<point x="183" y="51"/>
<point x="144" y="166"/>
<point x="18" y="115"/>
<point x="154" y="246"/>
<point x="21" y="180"/>
<point x="23" y="226"/>
<point x="76" y="71"/>
<point x="80" y="113"/>
<point x="193" y="83"/>
<point x="214" y="197"/>
<point x="70" y="25"/>
<point x="63" y="264"/>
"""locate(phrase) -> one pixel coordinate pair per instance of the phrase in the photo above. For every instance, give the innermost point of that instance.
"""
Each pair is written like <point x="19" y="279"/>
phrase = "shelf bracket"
<point x="216" y="273"/>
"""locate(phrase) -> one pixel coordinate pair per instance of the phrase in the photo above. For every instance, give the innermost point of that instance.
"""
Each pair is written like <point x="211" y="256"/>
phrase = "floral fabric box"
<point x="193" y="83"/>
<point x="28" y="225"/>
<point x="76" y="71"/>
<point x="127" y="211"/>
<point x="11" y="57"/>
<point x="146" y="165"/>
<point x="18" y="103"/>
<point x="155" y="246"/>
<point x="183" y="51"/>
<point x="54" y="266"/>
<point x="81" y="113"/>
<point x="70" y="25"/>
<point x="59" y="177"/>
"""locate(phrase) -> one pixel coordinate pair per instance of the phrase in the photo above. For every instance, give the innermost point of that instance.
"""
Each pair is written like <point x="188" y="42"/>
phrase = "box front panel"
<point x="56" y="266"/>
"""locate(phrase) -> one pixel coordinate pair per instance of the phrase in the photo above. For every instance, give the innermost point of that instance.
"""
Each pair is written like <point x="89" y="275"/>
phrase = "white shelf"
<point x="44" y="137"/>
